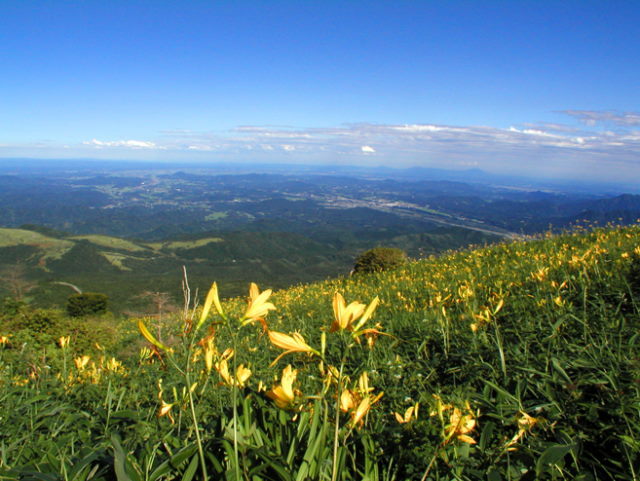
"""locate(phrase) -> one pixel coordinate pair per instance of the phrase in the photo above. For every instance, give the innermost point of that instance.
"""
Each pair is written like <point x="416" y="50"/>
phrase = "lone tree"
<point x="87" y="303"/>
<point x="15" y="280"/>
<point x="379" y="259"/>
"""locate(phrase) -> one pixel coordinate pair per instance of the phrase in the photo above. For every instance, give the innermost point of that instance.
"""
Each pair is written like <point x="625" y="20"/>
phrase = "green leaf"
<point x="123" y="468"/>
<point x="558" y="367"/>
<point x="191" y="469"/>
<point x="174" y="462"/>
<point x="486" y="434"/>
<point x="552" y="455"/>
<point x="494" y="475"/>
<point x="125" y="414"/>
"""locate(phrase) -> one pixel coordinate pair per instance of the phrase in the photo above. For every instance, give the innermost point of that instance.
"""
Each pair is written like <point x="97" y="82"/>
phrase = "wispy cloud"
<point x="132" y="144"/>
<point x="594" y="117"/>
<point x="605" y="143"/>
<point x="529" y="148"/>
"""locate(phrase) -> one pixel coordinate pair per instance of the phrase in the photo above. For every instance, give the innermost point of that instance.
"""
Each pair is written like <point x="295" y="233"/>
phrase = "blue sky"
<point x="532" y="87"/>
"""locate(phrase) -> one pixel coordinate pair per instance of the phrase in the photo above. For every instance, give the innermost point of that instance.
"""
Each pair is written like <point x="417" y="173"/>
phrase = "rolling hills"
<point x="124" y="268"/>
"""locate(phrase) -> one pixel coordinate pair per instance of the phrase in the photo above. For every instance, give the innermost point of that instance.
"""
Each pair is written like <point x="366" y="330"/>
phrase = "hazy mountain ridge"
<point x="125" y="231"/>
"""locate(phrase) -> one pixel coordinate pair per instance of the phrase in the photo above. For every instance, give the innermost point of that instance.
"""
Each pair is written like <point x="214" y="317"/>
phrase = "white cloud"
<point x="611" y="146"/>
<point x="132" y="144"/>
<point x="203" y="148"/>
<point x="594" y="117"/>
<point x="419" y="128"/>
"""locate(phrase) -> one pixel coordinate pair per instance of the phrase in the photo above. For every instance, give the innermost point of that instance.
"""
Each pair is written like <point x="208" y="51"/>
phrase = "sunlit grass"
<point x="517" y="361"/>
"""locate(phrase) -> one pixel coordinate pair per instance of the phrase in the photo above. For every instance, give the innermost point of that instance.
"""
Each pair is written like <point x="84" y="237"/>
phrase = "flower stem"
<point x="235" y="407"/>
<point x="195" y="425"/>
<point x="334" y="471"/>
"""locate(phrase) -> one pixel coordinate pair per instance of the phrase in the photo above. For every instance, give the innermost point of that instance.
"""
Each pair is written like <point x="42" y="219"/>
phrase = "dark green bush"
<point x="380" y="259"/>
<point x="87" y="303"/>
<point x="10" y="306"/>
<point x="38" y="321"/>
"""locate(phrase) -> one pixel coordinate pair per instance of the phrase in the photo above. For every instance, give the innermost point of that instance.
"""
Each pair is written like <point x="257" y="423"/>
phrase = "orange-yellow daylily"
<point x="410" y="414"/>
<point x="210" y="352"/>
<point x="357" y="416"/>
<point x="258" y="306"/>
<point x="363" y="384"/>
<point x="4" y="340"/>
<point x="460" y="425"/>
<point x="283" y="395"/>
<point x="292" y="343"/>
<point x="352" y="317"/>
<point x="343" y="315"/>
<point x="81" y="362"/>
<point x="114" y="365"/>
<point x="212" y="299"/>
<point x="525" y="424"/>
<point x="165" y="410"/>
<point x="242" y="375"/>
<point x="358" y="401"/>
<point x="63" y="341"/>
<point x="149" y="337"/>
<point x="367" y="314"/>
<point x="370" y="334"/>
<point x="240" y="378"/>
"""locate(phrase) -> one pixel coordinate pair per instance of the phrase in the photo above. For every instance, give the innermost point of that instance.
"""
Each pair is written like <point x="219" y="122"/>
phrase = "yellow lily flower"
<point x="461" y="425"/>
<point x="81" y="362"/>
<point x="149" y="337"/>
<point x="241" y="376"/>
<point x="367" y="313"/>
<point x="293" y="343"/>
<point x="63" y="341"/>
<point x="210" y="352"/>
<point x="212" y="299"/>
<point x="4" y="340"/>
<point x="525" y="425"/>
<point x="357" y="416"/>
<point x="345" y="316"/>
<point x="258" y="306"/>
<point x="358" y="401"/>
<point x="410" y="414"/>
<point x="284" y="394"/>
<point x="363" y="384"/>
<point x="165" y="410"/>
<point x="348" y="400"/>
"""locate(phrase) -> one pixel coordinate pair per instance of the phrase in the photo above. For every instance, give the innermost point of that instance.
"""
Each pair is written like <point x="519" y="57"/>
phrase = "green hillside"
<point x="125" y="268"/>
<point x="518" y="361"/>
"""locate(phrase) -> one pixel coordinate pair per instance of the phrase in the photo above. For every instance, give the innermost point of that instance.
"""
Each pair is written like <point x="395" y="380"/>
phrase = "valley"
<point x="128" y="229"/>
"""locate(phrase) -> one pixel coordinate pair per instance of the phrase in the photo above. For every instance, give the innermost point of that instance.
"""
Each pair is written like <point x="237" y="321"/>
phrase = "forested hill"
<point x="46" y="261"/>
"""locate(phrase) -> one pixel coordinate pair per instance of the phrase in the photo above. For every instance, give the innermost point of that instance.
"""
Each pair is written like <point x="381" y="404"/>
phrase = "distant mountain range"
<point x="125" y="228"/>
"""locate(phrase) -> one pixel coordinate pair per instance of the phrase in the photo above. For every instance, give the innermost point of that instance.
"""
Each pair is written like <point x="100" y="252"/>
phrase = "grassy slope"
<point x="52" y="248"/>
<point x="556" y="325"/>
<point x="546" y="327"/>
<point x="123" y="268"/>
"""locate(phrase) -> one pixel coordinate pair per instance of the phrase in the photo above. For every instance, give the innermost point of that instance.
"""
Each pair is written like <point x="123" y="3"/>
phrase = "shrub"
<point x="380" y="259"/>
<point x="87" y="303"/>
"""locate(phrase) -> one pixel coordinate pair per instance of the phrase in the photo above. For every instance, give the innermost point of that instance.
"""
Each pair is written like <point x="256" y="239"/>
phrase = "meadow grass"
<point x="52" y="248"/>
<point x="110" y="242"/>
<point x="191" y="244"/>
<point x="517" y="361"/>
